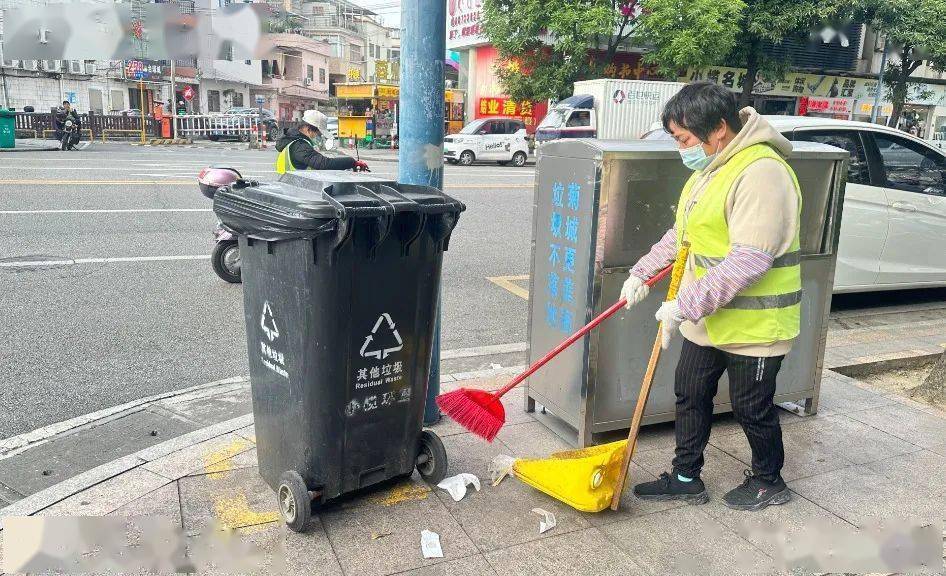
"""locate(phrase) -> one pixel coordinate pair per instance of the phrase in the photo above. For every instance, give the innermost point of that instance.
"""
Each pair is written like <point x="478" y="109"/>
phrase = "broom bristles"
<point x="468" y="411"/>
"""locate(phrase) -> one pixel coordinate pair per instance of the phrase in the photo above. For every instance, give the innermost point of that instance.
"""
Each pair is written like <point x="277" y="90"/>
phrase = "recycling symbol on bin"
<point x="380" y="348"/>
<point x="268" y="323"/>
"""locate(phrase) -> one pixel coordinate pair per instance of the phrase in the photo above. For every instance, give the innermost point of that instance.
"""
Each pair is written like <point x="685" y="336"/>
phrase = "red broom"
<point x="482" y="413"/>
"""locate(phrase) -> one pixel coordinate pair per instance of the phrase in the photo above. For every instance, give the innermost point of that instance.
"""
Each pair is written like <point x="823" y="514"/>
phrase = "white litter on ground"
<point x="456" y="485"/>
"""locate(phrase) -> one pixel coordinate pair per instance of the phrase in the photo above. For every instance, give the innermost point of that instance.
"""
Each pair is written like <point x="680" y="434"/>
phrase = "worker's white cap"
<point x="315" y="119"/>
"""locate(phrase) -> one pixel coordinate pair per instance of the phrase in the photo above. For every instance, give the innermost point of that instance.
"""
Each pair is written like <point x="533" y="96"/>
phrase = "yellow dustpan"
<point x="587" y="479"/>
<point x="584" y="479"/>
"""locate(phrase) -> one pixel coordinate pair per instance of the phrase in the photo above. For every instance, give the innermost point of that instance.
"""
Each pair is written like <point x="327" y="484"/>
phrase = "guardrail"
<point x="243" y="127"/>
<point x="86" y="130"/>
<point x="45" y="122"/>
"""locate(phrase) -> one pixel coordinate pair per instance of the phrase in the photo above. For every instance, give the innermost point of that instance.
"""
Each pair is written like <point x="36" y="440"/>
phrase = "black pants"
<point x="751" y="388"/>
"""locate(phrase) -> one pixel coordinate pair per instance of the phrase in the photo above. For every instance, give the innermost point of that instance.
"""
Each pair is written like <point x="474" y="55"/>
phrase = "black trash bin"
<point x="341" y="275"/>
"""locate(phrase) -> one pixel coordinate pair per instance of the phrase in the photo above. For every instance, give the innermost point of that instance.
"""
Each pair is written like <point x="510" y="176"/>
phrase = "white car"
<point x="893" y="228"/>
<point x="502" y="140"/>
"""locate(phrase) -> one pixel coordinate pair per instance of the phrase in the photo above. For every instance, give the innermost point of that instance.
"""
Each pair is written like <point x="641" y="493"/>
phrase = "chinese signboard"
<point x="835" y="106"/>
<point x="387" y="70"/>
<point x="463" y="24"/>
<point x="142" y="70"/>
<point x="564" y="225"/>
<point x="354" y="90"/>
<point x="500" y="106"/>
<point x="794" y="83"/>
<point x="354" y="74"/>
<point x="388" y="92"/>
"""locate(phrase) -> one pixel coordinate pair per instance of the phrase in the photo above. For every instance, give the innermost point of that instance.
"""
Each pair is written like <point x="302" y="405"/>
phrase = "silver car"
<point x="893" y="227"/>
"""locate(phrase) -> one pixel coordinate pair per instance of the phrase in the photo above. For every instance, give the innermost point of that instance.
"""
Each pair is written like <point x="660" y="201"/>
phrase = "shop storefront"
<point x="369" y="112"/>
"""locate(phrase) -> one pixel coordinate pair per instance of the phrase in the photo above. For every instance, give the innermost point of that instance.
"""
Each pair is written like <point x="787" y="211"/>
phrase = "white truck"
<point x="502" y="140"/>
<point x="607" y="109"/>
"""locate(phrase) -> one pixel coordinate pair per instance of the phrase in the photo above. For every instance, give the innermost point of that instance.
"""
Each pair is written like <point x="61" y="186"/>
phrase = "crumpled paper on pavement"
<point x="456" y="485"/>
<point x="430" y="544"/>
<point x="500" y="467"/>
<point x="548" y="521"/>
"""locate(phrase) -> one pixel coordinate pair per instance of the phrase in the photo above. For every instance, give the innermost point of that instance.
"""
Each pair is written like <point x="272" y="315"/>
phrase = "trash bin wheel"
<point x="225" y="260"/>
<point x="295" y="501"/>
<point x="431" y="458"/>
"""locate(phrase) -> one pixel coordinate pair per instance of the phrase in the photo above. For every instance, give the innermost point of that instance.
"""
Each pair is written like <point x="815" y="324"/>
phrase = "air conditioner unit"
<point x="90" y="67"/>
<point x="75" y="66"/>
<point x="30" y="64"/>
<point x="306" y="81"/>
<point x="11" y="63"/>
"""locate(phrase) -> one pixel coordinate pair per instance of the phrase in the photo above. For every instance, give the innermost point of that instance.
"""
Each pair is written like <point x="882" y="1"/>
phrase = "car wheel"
<point x="466" y="158"/>
<point x="519" y="159"/>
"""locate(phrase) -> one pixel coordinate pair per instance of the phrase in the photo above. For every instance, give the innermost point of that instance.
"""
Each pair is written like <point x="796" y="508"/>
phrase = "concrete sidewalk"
<point x="866" y="456"/>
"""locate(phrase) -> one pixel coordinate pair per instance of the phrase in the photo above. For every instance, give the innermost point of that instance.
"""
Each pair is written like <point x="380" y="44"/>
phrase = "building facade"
<point x="295" y="75"/>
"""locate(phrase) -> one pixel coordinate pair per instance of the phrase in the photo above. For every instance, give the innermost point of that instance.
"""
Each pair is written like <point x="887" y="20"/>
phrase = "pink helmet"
<point x="213" y="177"/>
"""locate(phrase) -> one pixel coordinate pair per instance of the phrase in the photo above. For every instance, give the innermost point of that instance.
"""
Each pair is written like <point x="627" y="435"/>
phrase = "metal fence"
<point x="43" y="124"/>
<point x="241" y="127"/>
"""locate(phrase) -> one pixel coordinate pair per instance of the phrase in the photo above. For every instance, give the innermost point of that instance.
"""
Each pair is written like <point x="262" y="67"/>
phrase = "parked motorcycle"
<point x="225" y="257"/>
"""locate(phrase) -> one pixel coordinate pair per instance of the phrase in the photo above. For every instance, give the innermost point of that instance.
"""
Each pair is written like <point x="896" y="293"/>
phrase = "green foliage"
<point x="688" y="33"/>
<point x="916" y="25"/>
<point x="534" y="71"/>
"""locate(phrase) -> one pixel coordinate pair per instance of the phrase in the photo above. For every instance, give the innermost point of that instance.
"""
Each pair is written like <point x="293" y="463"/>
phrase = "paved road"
<point x="153" y="317"/>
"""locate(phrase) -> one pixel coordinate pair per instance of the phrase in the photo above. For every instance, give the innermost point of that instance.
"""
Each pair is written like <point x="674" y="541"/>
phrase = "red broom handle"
<point x="576" y="336"/>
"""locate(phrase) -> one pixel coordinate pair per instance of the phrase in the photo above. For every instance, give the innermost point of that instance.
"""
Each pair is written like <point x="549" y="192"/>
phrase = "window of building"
<point x="395" y="55"/>
<point x="321" y="75"/>
<point x="213" y="100"/>
<point x="309" y="72"/>
<point x="237" y="99"/>
<point x="355" y="52"/>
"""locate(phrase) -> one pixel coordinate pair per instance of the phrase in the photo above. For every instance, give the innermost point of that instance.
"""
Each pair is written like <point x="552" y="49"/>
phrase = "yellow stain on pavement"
<point x="219" y="461"/>
<point x="235" y="512"/>
<point x="509" y="283"/>
<point x="404" y="492"/>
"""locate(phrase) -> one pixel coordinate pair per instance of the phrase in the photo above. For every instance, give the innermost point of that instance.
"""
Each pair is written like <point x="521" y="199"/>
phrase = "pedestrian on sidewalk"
<point x="738" y="307"/>
<point x="297" y="148"/>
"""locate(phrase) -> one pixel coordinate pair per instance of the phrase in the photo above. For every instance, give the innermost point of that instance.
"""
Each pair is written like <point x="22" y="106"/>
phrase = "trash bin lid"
<point x="7" y="113"/>
<point x="306" y="204"/>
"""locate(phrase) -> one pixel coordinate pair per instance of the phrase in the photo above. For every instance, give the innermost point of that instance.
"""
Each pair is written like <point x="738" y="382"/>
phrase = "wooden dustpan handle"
<point x="675" y="278"/>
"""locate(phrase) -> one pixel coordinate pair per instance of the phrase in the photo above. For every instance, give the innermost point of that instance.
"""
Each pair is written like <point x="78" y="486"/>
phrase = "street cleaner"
<point x="738" y="306"/>
<point x="297" y="148"/>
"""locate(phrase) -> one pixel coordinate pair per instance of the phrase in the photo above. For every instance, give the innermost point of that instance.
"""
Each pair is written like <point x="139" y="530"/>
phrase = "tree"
<point x="672" y="30"/>
<point x="916" y="29"/>
<point x="740" y="28"/>
<point x="544" y="45"/>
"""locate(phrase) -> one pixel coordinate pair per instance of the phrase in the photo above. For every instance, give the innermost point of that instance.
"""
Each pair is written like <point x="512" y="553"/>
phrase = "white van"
<point x="502" y="140"/>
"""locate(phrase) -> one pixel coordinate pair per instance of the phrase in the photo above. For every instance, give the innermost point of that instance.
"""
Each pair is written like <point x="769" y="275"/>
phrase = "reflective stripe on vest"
<point x="770" y="309"/>
<point x="284" y="160"/>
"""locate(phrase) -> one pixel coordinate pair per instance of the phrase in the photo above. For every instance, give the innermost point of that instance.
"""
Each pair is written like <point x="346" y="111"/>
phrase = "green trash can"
<point x="7" y="128"/>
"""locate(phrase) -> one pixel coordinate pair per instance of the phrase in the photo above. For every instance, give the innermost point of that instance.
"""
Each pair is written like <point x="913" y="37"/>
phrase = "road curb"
<point x="22" y="442"/>
<point x="43" y="499"/>
<point x="50" y="496"/>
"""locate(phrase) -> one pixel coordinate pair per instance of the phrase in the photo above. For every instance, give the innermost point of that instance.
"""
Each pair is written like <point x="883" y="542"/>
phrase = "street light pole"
<point x="173" y="102"/>
<point x="420" y="157"/>
<point x="880" y="84"/>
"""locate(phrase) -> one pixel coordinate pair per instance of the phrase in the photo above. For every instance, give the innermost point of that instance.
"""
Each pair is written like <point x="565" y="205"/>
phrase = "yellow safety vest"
<point x="770" y="309"/>
<point x="284" y="161"/>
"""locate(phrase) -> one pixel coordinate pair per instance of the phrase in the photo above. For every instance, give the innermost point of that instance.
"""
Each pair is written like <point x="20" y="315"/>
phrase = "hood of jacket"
<point x="288" y="136"/>
<point x="755" y="130"/>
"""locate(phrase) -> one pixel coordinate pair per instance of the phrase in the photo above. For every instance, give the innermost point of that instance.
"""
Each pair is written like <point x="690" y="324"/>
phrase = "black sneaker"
<point x="756" y="493"/>
<point x="668" y="487"/>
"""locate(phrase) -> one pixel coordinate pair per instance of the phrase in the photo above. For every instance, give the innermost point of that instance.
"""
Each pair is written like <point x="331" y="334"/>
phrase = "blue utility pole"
<point x="420" y="127"/>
